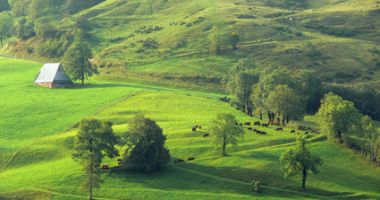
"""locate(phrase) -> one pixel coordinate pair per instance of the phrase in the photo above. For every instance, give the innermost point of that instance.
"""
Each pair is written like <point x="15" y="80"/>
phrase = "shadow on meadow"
<point x="235" y="180"/>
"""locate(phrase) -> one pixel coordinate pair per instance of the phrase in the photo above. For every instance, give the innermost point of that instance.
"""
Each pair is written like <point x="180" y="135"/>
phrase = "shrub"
<point x="256" y="186"/>
<point x="147" y="144"/>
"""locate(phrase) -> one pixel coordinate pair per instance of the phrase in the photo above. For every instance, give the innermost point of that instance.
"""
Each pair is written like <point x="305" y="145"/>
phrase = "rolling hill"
<point x="39" y="124"/>
<point x="154" y="59"/>
<point x="167" y="41"/>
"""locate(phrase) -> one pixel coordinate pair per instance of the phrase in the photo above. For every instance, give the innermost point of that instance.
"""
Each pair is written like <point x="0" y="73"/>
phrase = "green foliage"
<point x="239" y="82"/>
<point x="256" y="186"/>
<point x="286" y="101"/>
<point x="234" y="40"/>
<point x="300" y="161"/>
<point x="4" y="5"/>
<point x="225" y="131"/>
<point x="77" y="61"/>
<point x="338" y="117"/>
<point x="6" y="24"/>
<point x="45" y="30"/>
<point x="24" y="28"/>
<point x="214" y="41"/>
<point x="145" y="143"/>
<point x="376" y="150"/>
<point x="95" y="137"/>
<point x="20" y="7"/>
<point x="94" y="141"/>
<point x="73" y="6"/>
<point x="268" y="82"/>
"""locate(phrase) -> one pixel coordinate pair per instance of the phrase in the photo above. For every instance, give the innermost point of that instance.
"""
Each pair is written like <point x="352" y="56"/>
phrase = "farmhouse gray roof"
<point x="52" y="72"/>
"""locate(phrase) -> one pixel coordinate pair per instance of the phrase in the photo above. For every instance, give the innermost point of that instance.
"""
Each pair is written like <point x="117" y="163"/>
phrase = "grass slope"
<point x="343" y="33"/>
<point x="42" y="168"/>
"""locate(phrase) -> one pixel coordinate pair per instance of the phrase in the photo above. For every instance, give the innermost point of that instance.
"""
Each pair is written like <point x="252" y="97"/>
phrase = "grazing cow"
<point x="199" y="126"/>
<point x="105" y="167"/>
<point x="306" y="133"/>
<point x="293" y="131"/>
<point x="206" y="135"/>
<point x="265" y="125"/>
<point x="190" y="159"/>
<point x="261" y="133"/>
<point x="279" y="129"/>
<point x="194" y="128"/>
<point x="255" y="130"/>
<point x="179" y="161"/>
<point x="257" y="124"/>
<point x="247" y="123"/>
<point x="250" y="128"/>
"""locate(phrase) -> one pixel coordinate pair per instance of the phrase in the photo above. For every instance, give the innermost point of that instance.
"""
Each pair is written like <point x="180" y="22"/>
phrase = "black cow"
<point x="190" y="159"/>
<point x="265" y="125"/>
<point x="247" y="123"/>
<point x="206" y="135"/>
<point x="293" y="131"/>
<point x="250" y="128"/>
<point x="257" y="124"/>
<point x="179" y="161"/>
<point x="279" y="129"/>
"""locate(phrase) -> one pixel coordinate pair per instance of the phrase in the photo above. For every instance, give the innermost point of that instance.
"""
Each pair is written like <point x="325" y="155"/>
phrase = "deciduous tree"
<point x="287" y="102"/>
<point x="300" y="161"/>
<point x="94" y="141"/>
<point x="77" y="61"/>
<point x="225" y="131"/>
<point x="338" y="117"/>
<point x="145" y="143"/>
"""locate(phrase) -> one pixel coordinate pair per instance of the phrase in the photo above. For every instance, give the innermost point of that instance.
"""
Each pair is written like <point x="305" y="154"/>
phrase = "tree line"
<point x="285" y="95"/>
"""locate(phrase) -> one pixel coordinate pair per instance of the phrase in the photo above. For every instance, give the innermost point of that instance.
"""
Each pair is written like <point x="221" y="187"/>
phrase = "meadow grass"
<point x="37" y="164"/>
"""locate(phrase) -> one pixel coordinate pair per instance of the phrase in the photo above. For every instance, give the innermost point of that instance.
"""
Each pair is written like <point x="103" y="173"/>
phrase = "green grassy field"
<point x="343" y="32"/>
<point x="38" y="125"/>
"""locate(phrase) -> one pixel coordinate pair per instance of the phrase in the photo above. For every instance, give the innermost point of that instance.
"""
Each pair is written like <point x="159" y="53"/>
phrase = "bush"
<point x="52" y="48"/>
<point x="147" y="142"/>
<point x="256" y="186"/>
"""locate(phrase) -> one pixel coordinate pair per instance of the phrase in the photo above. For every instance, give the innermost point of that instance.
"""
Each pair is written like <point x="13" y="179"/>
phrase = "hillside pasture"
<point x="38" y="127"/>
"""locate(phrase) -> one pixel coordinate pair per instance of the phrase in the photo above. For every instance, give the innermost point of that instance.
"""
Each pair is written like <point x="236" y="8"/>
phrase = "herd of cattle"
<point x="247" y="125"/>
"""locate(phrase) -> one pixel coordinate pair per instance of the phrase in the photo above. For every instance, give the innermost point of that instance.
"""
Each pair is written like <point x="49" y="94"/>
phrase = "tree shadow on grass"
<point x="234" y="180"/>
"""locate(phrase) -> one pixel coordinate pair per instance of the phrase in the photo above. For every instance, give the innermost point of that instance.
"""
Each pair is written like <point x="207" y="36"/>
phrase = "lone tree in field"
<point x="286" y="101"/>
<point x="94" y="141"/>
<point x="338" y="117"/>
<point x="77" y="62"/>
<point x="225" y="131"/>
<point x="234" y="40"/>
<point x="300" y="161"/>
<point x="145" y="143"/>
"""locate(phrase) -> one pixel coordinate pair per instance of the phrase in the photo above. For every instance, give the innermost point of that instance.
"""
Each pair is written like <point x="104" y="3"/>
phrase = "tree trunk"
<point x="1" y="39"/>
<point x="82" y="78"/>
<point x="283" y="119"/>
<point x="261" y="115"/>
<point x="91" y="173"/>
<point x="224" y="147"/>
<point x="90" y="186"/>
<point x="304" y="177"/>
